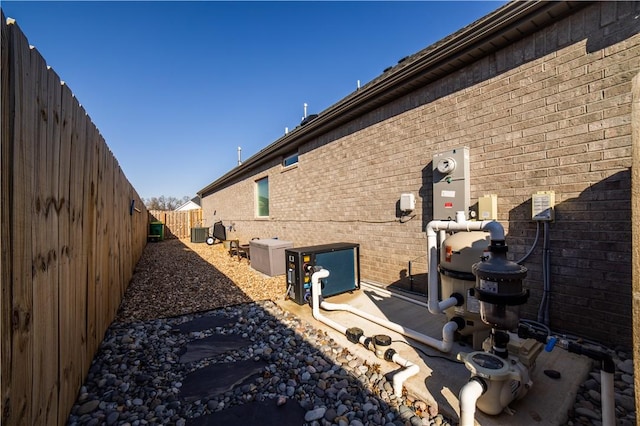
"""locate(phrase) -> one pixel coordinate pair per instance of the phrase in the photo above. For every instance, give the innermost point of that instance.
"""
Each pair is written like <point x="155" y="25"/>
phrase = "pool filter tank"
<point x="458" y="253"/>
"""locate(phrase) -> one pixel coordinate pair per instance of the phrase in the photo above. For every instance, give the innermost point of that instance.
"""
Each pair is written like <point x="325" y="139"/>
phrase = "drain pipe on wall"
<point x="377" y="344"/>
<point x="496" y="232"/>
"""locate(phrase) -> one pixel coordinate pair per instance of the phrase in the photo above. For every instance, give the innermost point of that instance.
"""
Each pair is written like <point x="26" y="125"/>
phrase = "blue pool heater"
<point x="342" y="260"/>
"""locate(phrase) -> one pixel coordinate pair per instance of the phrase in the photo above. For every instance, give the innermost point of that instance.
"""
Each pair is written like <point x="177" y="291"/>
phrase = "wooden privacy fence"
<point x="70" y="238"/>
<point x="177" y="224"/>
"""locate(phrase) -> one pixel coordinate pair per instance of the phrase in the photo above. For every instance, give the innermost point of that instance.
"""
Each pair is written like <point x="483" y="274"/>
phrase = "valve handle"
<point x="550" y="344"/>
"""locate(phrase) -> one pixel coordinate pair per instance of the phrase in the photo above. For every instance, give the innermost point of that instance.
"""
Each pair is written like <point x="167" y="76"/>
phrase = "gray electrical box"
<point x="451" y="185"/>
<point x="267" y="256"/>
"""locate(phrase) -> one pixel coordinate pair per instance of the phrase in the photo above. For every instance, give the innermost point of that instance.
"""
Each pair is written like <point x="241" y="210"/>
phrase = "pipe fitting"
<point x="410" y="369"/>
<point x="460" y="322"/>
<point x="469" y="395"/>
<point x="354" y="334"/>
<point x="388" y="354"/>
<point x="459" y="298"/>
<point x="448" y="332"/>
<point x="381" y="343"/>
<point x="495" y="230"/>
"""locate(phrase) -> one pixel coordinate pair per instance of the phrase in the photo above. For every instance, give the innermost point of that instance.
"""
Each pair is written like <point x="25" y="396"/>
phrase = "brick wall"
<point x="549" y="112"/>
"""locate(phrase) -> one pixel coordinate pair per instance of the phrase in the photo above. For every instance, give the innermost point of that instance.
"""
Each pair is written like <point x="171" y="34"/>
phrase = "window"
<point x="290" y="160"/>
<point x="262" y="192"/>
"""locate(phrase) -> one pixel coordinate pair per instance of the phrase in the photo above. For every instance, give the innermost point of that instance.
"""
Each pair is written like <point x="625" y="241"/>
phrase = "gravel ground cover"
<point x="177" y="277"/>
<point x="144" y="366"/>
<point x="137" y="375"/>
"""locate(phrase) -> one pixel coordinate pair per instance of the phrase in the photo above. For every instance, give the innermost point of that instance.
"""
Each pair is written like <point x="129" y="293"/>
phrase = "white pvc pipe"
<point x="494" y="228"/>
<point x="448" y="330"/>
<point x="410" y="369"/>
<point x="469" y="394"/>
<point x="607" y="399"/>
<point x="315" y="301"/>
<point x="399" y="378"/>
<point x="443" y="345"/>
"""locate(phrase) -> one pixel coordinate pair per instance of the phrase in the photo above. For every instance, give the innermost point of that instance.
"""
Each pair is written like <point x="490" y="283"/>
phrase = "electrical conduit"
<point x="410" y="369"/>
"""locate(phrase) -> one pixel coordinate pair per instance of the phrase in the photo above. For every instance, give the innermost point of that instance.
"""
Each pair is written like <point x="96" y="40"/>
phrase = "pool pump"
<point x="499" y="373"/>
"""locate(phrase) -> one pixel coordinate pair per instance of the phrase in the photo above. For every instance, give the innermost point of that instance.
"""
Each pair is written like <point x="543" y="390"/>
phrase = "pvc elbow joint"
<point x="354" y="334"/>
<point x="495" y="230"/>
<point x="468" y="397"/>
<point x="318" y="275"/>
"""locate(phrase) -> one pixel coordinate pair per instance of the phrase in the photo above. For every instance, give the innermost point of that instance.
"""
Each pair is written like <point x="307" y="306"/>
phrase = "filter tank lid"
<point x="486" y="365"/>
<point x="499" y="267"/>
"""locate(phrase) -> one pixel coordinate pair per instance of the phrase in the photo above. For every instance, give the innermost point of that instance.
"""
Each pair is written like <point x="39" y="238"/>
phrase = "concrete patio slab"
<point x="441" y="378"/>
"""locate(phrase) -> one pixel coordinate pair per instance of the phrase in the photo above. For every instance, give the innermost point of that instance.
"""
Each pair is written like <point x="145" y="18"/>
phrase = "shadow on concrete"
<point x="414" y="283"/>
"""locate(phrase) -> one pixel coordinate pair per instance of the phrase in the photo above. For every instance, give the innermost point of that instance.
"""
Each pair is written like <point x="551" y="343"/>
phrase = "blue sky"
<point x="176" y="87"/>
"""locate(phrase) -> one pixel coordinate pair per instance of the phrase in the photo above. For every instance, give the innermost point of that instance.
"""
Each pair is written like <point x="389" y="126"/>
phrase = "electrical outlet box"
<point x="488" y="207"/>
<point x="407" y="202"/>
<point x="542" y="205"/>
<point x="451" y="183"/>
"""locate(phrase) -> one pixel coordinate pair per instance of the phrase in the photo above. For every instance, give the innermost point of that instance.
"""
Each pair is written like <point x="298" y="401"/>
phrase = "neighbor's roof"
<point x="506" y="25"/>
<point x="194" y="201"/>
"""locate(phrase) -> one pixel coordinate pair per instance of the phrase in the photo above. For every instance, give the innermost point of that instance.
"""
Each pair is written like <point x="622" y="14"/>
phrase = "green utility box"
<point x="156" y="231"/>
<point x="199" y="235"/>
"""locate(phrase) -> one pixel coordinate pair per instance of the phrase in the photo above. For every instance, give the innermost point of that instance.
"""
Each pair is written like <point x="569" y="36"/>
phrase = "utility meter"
<point x="446" y="165"/>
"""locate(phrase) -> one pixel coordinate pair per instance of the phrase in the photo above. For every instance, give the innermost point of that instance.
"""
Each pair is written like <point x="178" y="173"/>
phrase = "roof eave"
<point x="504" y="26"/>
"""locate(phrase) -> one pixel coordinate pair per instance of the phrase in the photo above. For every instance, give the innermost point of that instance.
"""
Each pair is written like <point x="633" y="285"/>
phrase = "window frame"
<point x="258" y="194"/>
<point x="288" y="157"/>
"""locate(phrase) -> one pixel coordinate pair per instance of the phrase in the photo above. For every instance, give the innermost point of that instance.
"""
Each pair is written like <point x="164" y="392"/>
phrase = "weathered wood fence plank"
<point x="69" y="360"/>
<point x="6" y="157"/>
<point x="69" y="238"/>
<point x="44" y="234"/>
<point x="22" y="86"/>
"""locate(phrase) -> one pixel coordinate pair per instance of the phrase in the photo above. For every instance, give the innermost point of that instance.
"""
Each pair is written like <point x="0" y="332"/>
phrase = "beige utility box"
<point x="267" y="256"/>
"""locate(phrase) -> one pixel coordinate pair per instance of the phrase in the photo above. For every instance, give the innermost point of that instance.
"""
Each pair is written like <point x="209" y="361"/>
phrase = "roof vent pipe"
<point x="286" y="130"/>
<point x="358" y="85"/>
<point x="239" y="156"/>
<point x="305" y="110"/>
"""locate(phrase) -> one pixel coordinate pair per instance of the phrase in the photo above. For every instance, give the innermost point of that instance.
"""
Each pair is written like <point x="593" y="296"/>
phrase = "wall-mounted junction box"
<point x="488" y="207"/>
<point x="451" y="185"/>
<point x="407" y="202"/>
<point x="542" y="204"/>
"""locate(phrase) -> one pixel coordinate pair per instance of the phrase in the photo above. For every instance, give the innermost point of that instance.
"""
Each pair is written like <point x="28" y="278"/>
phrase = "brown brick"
<point x="558" y="122"/>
